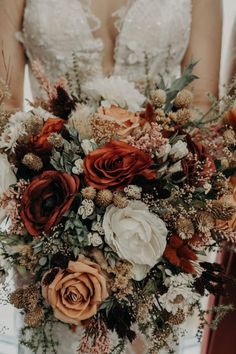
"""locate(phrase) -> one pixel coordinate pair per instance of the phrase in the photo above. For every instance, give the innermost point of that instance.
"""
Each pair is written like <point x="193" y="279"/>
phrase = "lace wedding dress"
<point x="152" y="38"/>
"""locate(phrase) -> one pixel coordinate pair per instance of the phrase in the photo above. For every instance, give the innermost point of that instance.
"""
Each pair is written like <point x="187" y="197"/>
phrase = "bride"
<point x="136" y="39"/>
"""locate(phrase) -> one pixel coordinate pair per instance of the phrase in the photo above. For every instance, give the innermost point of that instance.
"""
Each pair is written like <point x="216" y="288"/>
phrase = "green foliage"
<point x="64" y="160"/>
<point x="178" y="85"/>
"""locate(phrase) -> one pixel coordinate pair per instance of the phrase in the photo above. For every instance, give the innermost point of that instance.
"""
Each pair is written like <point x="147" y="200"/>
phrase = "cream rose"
<point x="75" y="293"/>
<point x="136" y="235"/>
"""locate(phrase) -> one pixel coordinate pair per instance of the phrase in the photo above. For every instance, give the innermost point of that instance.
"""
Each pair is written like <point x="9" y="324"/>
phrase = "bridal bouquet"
<point x="109" y="202"/>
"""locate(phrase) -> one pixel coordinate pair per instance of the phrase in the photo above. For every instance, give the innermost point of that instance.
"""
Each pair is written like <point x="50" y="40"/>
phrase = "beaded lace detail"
<point x="152" y="39"/>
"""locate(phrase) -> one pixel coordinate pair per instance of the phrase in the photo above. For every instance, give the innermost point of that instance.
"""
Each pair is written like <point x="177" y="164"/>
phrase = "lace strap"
<point x="120" y="15"/>
<point x="93" y="20"/>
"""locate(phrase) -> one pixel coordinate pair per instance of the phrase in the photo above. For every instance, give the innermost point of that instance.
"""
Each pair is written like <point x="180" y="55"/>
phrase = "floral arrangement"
<point x="110" y="202"/>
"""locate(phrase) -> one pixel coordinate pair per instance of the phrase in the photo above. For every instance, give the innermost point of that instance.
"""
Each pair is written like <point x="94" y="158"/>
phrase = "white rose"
<point x="7" y="177"/>
<point x="179" y="150"/>
<point x="136" y="235"/>
<point x="88" y="146"/>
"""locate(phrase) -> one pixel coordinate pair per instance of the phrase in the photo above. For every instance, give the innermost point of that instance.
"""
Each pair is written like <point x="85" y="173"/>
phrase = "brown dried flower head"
<point x="222" y="210"/>
<point x="33" y="318"/>
<point x="33" y="162"/>
<point x="120" y="200"/>
<point x="205" y="222"/>
<point x="17" y="298"/>
<point x="89" y="193"/>
<point x="104" y="198"/>
<point x="184" y="99"/>
<point x="34" y="125"/>
<point x="183" y="116"/>
<point x="158" y="98"/>
<point x="185" y="227"/>
<point x="55" y="140"/>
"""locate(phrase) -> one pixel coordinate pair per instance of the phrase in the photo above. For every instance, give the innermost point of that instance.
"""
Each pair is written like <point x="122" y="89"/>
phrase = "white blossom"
<point x="133" y="191"/>
<point x="86" y="208"/>
<point x="78" y="167"/>
<point x="180" y="294"/>
<point x="95" y="239"/>
<point x="88" y="145"/>
<point x="97" y="226"/>
<point x="115" y="91"/>
<point x="179" y="150"/>
<point x="14" y="129"/>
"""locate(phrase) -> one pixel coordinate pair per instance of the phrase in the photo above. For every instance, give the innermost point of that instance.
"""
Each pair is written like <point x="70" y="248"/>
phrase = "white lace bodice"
<point x="152" y="38"/>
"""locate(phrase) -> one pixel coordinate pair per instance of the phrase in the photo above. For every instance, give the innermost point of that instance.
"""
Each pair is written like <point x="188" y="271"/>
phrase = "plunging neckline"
<point x="87" y="12"/>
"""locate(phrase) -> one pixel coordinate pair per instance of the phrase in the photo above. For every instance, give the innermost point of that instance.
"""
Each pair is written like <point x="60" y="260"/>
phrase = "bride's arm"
<point x="12" y="57"/>
<point x="205" y="46"/>
<point x="231" y="59"/>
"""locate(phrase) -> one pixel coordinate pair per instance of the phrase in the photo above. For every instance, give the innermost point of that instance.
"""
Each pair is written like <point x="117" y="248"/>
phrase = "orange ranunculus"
<point x="115" y="165"/>
<point x="126" y="121"/>
<point x="230" y="117"/>
<point x="46" y="199"/>
<point x="180" y="254"/>
<point x="75" y="293"/>
<point x="40" y="142"/>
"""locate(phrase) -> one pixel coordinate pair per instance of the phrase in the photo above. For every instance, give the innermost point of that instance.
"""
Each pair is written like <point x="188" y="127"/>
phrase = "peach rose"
<point x="75" y="293"/>
<point x="126" y="121"/>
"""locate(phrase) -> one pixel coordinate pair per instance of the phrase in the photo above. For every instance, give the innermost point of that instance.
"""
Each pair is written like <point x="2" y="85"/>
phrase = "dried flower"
<point x="205" y="222"/>
<point x="31" y="297"/>
<point x="133" y="191"/>
<point x="120" y="200"/>
<point x="104" y="198"/>
<point x="33" y="162"/>
<point x="17" y="298"/>
<point x="33" y="318"/>
<point x="34" y="125"/>
<point x="230" y="137"/>
<point x="183" y="99"/>
<point x="183" y="116"/>
<point x="55" y="140"/>
<point x="177" y="319"/>
<point x="184" y="227"/>
<point x="159" y="98"/>
<point x="89" y="193"/>
<point x="222" y="210"/>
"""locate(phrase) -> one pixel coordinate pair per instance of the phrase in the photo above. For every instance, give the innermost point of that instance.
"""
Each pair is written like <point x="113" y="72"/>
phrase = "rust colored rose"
<point x="115" y="165"/>
<point x="230" y="117"/>
<point x="40" y="142"/>
<point x="75" y="293"/>
<point x="46" y="200"/>
<point x="201" y="166"/>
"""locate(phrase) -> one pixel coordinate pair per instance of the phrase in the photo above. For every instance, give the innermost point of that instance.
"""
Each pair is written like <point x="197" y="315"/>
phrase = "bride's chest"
<point x="53" y="29"/>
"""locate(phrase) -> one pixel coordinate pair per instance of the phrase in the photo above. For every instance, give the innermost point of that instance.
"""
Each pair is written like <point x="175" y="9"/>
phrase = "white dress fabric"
<point x="152" y="39"/>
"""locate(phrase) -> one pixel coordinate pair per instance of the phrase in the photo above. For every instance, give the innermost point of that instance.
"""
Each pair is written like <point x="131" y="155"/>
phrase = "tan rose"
<point x="126" y="121"/>
<point x="75" y="293"/>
